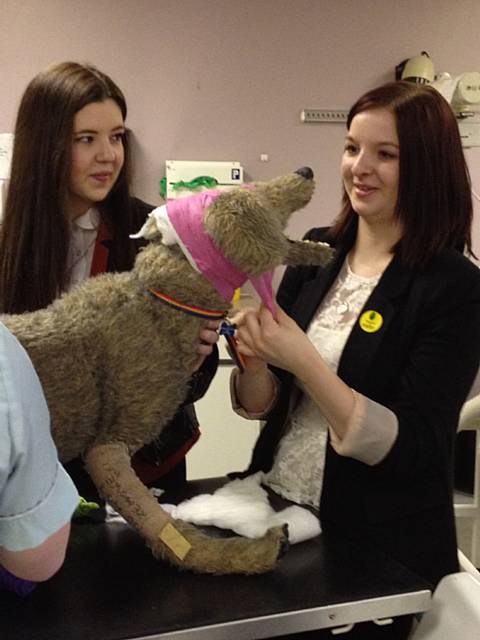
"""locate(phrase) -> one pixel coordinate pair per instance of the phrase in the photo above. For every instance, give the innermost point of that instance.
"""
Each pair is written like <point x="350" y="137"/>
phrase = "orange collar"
<point x="208" y="314"/>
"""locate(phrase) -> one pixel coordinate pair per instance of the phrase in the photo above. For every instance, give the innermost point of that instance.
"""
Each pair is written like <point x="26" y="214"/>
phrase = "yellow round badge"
<point x="371" y="321"/>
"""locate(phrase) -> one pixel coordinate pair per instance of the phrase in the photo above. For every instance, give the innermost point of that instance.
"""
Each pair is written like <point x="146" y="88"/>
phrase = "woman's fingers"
<point x="208" y="334"/>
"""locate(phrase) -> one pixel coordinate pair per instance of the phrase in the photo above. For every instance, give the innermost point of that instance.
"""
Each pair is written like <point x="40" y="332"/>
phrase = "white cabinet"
<point x="227" y="439"/>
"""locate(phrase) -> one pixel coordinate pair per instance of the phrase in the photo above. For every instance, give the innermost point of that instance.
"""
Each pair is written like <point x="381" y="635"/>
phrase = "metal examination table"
<point x="111" y="588"/>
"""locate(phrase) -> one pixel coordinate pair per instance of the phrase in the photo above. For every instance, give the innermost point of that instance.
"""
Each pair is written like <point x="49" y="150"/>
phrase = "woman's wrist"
<point x="253" y="395"/>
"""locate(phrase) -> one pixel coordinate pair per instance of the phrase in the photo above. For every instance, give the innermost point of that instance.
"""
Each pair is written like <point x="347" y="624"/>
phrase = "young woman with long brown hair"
<point x="68" y="216"/>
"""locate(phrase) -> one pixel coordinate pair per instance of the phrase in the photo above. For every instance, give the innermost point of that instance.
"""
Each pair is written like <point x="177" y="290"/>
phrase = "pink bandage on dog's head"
<point x="186" y="215"/>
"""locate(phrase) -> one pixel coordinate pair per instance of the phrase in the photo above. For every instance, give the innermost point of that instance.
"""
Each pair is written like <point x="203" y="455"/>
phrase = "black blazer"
<point x="420" y="364"/>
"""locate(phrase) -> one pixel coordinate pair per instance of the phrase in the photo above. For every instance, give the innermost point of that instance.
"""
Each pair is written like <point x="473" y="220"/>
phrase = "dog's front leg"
<point x="178" y="542"/>
<point x="110" y="469"/>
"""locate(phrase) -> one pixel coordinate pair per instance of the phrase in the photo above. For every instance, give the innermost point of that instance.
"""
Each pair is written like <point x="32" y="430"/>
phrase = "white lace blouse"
<point x="297" y="471"/>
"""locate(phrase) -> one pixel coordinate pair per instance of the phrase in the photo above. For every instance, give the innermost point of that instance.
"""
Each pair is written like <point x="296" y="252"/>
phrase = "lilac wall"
<point x="219" y="80"/>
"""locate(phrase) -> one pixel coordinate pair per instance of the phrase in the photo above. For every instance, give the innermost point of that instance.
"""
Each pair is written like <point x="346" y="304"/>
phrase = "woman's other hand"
<point x="207" y="338"/>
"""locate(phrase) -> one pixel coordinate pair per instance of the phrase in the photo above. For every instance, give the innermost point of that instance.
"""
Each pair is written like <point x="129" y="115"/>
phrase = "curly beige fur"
<point x="115" y="364"/>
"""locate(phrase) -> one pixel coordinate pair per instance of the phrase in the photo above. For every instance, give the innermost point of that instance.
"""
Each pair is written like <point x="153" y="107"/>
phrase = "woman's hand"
<point x="208" y="337"/>
<point x="283" y="344"/>
<point x="253" y="363"/>
<point x="279" y="341"/>
<point x="254" y="388"/>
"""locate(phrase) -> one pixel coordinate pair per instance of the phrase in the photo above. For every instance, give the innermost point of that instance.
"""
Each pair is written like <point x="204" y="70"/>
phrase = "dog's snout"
<point x="305" y="172"/>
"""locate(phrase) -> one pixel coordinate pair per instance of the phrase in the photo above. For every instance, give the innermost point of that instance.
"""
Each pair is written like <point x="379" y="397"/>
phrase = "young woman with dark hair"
<point x="68" y="216"/>
<point x="434" y="202"/>
<point x="36" y="227"/>
<point x="371" y="358"/>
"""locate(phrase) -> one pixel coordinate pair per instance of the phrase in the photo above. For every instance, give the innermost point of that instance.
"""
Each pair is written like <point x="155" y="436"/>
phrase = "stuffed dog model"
<point x="115" y="354"/>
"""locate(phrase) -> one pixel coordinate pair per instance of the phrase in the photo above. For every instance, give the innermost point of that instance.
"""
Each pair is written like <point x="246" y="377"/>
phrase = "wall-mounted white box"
<point x="227" y="174"/>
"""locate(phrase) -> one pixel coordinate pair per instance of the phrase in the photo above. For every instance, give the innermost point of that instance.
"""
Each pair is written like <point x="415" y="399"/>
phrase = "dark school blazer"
<point x="420" y="364"/>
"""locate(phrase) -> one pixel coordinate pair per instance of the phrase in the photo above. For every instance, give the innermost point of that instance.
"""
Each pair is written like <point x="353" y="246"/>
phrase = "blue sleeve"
<point x="37" y="496"/>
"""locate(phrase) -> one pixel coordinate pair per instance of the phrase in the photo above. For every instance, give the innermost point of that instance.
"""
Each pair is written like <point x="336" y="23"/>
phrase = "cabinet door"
<point x="227" y="439"/>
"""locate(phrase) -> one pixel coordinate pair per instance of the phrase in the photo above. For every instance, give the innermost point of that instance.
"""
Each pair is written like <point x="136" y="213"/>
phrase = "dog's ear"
<point x="243" y="226"/>
<point x="149" y="230"/>
<point x="308" y="252"/>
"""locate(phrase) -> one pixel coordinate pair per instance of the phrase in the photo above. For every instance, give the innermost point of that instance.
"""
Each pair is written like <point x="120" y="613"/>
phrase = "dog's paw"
<point x="188" y="547"/>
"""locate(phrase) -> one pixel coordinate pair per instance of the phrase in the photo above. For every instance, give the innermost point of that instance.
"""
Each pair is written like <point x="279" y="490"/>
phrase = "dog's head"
<point x="239" y="233"/>
<point x="247" y="224"/>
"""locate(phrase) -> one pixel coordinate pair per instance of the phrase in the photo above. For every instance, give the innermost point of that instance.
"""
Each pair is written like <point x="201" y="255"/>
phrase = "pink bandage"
<point x="186" y="217"/>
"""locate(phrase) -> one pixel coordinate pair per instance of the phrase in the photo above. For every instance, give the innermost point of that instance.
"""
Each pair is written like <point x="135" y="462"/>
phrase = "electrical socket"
<point x="323" y="115"/>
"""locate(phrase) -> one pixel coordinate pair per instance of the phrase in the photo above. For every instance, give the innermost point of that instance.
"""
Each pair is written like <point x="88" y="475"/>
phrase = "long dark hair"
<point x="34" y="238"/>
<point x="434" y="203"/>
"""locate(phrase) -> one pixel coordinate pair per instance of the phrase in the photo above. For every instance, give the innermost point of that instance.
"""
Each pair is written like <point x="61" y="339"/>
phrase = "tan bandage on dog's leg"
<point x="174" y="540"/>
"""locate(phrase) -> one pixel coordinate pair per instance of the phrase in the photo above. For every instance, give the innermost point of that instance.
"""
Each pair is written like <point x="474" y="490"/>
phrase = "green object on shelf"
<point x="191" y="185"/>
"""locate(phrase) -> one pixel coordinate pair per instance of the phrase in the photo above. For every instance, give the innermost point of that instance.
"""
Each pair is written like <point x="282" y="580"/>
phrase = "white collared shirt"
<point x="82" y="246"/>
